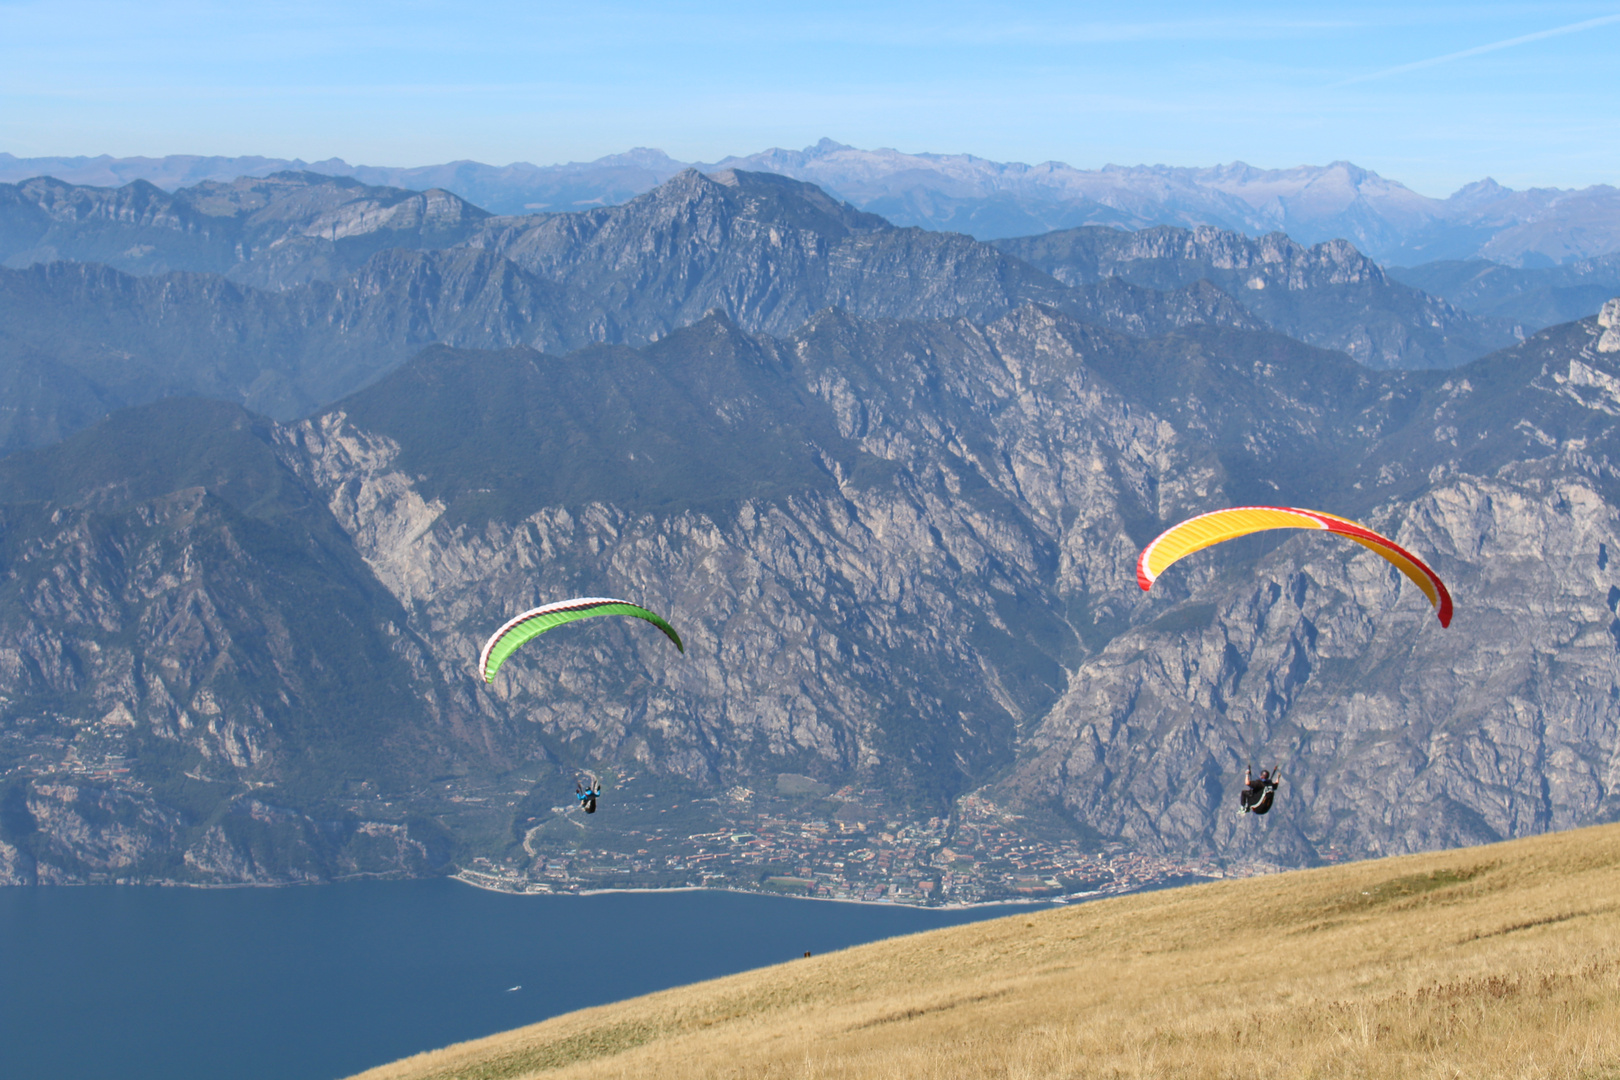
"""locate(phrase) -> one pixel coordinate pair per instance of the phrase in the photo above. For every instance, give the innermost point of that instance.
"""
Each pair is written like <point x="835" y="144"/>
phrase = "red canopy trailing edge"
<point x="1205" y="530"/>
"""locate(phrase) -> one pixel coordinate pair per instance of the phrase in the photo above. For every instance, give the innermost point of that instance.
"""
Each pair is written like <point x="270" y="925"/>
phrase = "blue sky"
<point x="1432" y="94"/>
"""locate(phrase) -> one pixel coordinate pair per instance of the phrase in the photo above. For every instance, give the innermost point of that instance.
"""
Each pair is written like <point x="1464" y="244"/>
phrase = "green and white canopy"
<point x="531" y="624"/>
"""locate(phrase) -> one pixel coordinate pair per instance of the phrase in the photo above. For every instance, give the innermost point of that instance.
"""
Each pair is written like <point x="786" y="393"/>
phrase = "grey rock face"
<point x="1609" y="320"/>
<point x="197" y="658"/>
<point x="853" y="629"/>
<point x="1394" y="735"/>
<point x="919" y="576"/>
<point x="770" y="252"/>
<point x="1027" y="481"/>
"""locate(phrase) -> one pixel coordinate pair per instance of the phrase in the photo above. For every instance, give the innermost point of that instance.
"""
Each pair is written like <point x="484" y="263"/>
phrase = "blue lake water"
<point x="320" y="982"/>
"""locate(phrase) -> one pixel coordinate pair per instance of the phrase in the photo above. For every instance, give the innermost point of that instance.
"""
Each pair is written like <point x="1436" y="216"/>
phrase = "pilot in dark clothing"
<point x="1256" y="796"/>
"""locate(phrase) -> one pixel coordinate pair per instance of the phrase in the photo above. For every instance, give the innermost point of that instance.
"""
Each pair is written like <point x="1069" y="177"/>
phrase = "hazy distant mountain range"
<point x="991" y="200"/>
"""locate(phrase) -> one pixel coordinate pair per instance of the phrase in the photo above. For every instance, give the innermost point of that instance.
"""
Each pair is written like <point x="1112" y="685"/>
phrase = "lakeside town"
<point x="981" y="854"/>
<point x="795" y="836"/>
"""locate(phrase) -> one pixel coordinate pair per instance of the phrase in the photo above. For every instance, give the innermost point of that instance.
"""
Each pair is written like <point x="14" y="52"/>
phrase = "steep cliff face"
<point x="1031" y="458"/>
<point x="841" y="613"/>
<point x="100" y="220"/>
<point x="1396" y="735"/>
<point x="914" y="567"/>
<point x="214" y="669"/>
<point x="901" y="556"/>
<point x="1392" y="736"/>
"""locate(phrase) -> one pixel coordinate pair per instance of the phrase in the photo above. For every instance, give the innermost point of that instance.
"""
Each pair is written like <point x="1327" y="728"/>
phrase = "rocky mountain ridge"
<point x="202" y="651"/>
<point x="270" y="232"/>
<point x="77" y="339"/>
<point x="1329" y="295"/>
<point x="901" y="555"/>
<point x="770" y="252"/>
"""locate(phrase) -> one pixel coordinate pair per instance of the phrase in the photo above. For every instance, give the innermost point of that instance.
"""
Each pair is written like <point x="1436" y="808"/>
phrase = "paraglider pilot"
<point x="1256" y="796"/>
<point x="587" y="793"/>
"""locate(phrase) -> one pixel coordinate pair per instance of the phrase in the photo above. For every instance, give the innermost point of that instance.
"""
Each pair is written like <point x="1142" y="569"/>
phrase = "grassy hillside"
<point x="1492" y="961"/>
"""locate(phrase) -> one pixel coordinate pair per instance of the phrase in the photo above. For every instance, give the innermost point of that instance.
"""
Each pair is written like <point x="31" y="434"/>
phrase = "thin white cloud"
<point x="1477" y="50"/>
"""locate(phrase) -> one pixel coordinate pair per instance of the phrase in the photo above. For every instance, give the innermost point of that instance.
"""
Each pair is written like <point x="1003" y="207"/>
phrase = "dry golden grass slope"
<point x="1501" y="961"/>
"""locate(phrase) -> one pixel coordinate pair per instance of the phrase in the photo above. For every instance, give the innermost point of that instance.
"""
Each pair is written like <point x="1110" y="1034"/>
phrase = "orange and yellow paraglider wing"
<point x="1200" y="532"/>
<point x="1206" y="530"/>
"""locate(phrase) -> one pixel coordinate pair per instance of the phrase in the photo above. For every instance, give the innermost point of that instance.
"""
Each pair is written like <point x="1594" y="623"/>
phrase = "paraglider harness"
<point x="586" y="793"/>
<point x="1256" y="796"/>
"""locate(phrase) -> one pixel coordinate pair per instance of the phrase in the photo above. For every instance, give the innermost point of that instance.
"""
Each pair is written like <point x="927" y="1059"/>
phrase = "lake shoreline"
<point x="488" y="883"/>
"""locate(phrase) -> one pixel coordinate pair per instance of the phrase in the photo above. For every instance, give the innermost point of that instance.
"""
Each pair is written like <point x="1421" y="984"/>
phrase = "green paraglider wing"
<point x="531" y="624"/>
